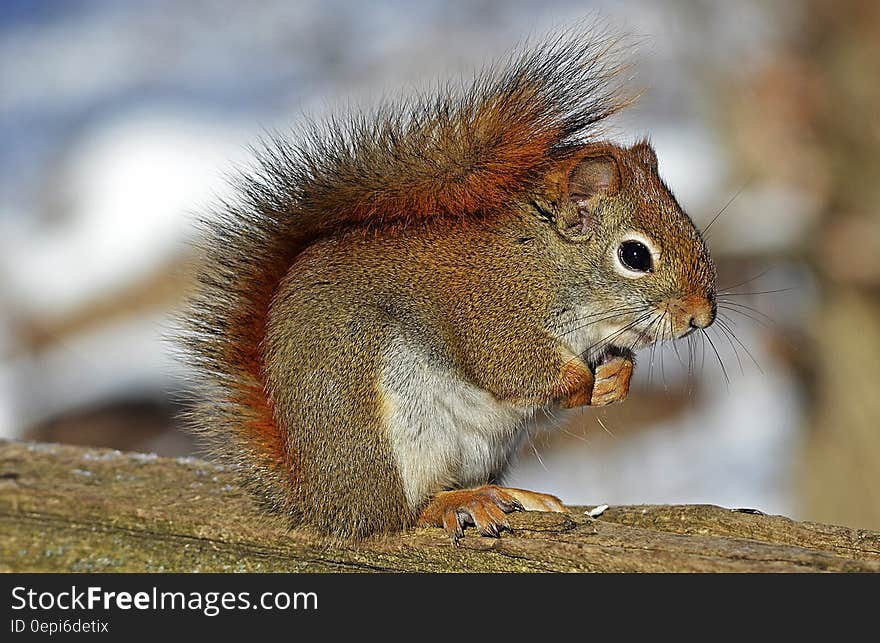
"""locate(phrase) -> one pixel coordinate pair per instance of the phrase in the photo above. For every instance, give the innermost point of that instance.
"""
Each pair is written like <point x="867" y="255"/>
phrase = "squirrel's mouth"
<point x="643" y="338"/>
<point x="653" y="331"/>
<point x="634" y="339"/>
<point x="646" y="338"/>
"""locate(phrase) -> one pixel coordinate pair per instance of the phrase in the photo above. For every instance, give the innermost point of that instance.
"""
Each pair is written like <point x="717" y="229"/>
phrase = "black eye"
<point x="635" y="256"/>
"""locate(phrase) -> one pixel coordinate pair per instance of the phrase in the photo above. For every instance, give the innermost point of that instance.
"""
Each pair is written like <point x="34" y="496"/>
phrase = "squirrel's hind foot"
<point x="483" y="508"/>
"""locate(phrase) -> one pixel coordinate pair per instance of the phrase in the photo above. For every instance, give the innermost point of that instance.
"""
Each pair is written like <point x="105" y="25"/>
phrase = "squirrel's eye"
<point x="635" y="256"/>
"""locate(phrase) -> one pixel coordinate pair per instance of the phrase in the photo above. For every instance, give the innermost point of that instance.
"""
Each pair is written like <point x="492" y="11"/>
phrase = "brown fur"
<point x="428" y="220"/>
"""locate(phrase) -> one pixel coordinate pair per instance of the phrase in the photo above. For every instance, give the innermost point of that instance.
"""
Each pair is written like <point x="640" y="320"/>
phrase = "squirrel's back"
<point x="461" y="152"/>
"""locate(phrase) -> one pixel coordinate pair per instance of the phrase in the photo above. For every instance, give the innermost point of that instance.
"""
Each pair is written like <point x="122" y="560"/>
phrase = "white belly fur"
<point x="444" y="432"/>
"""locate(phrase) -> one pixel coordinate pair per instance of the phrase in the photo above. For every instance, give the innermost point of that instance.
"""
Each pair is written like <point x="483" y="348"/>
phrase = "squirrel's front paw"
<point x="484" y="508"/>
<point x="612" y="381"/>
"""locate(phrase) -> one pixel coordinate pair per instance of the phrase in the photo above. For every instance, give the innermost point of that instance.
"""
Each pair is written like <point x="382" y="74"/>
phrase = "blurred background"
<point x="120" y="121"/>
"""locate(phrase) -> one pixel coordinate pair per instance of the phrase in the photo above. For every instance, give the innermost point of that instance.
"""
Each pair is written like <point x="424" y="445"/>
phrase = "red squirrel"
<point x="393" y="297"/>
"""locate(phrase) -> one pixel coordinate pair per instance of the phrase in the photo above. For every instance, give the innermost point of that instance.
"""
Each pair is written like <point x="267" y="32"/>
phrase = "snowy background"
<point x="119" y="122"/>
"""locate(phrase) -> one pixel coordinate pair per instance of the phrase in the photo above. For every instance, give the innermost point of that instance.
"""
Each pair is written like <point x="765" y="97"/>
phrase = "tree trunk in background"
<point x="840" y="474"/>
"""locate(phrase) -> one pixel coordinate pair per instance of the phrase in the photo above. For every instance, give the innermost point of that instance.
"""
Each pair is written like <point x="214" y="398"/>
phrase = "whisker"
<point x="735" y="304"/>
<point x="758" y="292"/>
<point x="691" y="379"/>
<point x="743" y="283"/>
<point x="653" y="348"/>
<point x="554" y="421"/>
<point x="618" y="332"/>
<point x="722" y="211"/>
<point x="674" y="342"/>
<point x="602" y="424"/>
<point x="702" y="354"/>
<point x="718" y="356"/>
<point x="585" y="354"/>
<point x="609" y="317"/>
<point x="631" y="347"/>
<point x="616" y="310"/>
<point x="728" y="319"/>
<point x="537" y="455"/>
<point x="662" y="348"/>
<point x="739" y="304"/>
<point x="726" y="334"/>
<point x="748" y="316"/>
<point x="744" y="347"/>
<point x="582" y="438"/>
<point x="651" y="357"/>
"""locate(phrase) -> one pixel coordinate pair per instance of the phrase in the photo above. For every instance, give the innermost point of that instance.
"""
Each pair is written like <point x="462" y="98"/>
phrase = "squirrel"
<point x="392" y="297"/>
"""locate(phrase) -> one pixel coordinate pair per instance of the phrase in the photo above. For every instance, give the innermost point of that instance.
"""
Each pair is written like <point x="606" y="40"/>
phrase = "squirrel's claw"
<point x="483" y="508"/>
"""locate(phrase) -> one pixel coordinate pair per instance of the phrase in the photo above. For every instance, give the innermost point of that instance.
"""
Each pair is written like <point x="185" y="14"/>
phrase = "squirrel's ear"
<point x="592" y="177"/>
<point x="645" y="153"/>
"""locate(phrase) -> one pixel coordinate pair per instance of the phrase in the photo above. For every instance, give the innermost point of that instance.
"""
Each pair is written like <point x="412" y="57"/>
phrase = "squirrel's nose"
<point x="698" y="322"/>
<point x="704" y="314"/>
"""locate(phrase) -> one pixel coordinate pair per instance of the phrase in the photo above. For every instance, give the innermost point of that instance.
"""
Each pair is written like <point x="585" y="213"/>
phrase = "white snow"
<point x="130" y="190"/>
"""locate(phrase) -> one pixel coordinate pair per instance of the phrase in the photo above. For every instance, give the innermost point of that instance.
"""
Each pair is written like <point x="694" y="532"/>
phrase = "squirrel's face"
<point x="645" y="264"/>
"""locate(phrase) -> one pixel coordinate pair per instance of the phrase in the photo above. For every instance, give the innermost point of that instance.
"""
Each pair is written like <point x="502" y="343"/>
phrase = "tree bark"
<point x="65" y="508"/>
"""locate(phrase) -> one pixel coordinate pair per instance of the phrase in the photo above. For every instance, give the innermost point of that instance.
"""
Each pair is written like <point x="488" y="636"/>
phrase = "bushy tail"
<point x="460" y="151"/>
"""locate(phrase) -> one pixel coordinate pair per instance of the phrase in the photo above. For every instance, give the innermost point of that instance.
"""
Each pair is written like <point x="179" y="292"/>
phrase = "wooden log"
<point x="65" y="508"/>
